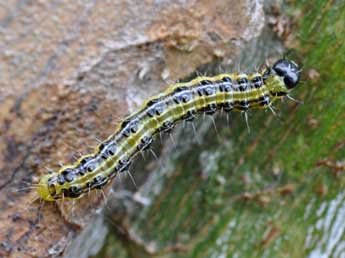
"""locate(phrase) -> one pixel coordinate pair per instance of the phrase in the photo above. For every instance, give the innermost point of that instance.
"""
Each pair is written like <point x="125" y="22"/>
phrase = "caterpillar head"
<point x="284" y="76"/>
<point x="288" y="71"/>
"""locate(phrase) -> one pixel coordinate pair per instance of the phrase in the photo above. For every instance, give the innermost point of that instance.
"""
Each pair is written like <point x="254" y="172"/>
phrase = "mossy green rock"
<point x="275" y="192"/>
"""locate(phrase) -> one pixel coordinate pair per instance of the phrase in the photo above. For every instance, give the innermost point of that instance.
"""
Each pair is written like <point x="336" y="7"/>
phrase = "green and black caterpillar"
<point x="160" y="114"/>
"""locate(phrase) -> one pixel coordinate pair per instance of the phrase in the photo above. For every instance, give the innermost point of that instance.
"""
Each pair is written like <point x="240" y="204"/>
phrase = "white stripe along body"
<point x="181" y="101"/>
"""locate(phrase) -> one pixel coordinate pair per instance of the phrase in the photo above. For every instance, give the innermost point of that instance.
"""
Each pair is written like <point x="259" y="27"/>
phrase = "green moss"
<point x="229" y="209"/>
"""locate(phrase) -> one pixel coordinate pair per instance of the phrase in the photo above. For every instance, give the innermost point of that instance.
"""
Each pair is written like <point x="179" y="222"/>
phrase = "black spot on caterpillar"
<point x="180" y="102"/>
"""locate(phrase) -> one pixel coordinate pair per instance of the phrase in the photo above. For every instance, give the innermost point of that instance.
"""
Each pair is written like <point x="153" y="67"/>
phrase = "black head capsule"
<point x="289" y="71"/>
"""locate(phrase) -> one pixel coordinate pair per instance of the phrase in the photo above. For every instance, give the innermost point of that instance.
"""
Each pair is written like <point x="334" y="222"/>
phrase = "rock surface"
<point x="70" y="71"/>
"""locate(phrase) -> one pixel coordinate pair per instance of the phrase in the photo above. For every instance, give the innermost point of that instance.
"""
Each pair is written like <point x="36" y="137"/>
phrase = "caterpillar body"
<point x="181" y="101"/>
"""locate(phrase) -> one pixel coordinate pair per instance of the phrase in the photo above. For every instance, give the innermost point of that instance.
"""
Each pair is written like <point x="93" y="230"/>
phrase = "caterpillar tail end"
<point x="43" y="190"/>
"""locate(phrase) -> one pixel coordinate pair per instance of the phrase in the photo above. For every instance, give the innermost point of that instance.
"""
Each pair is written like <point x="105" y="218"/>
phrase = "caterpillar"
<point x="160" y="114"/>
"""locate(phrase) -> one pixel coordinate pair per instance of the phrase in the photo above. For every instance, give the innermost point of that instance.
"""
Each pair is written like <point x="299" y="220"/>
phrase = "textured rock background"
<point x="70" y="70"/>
